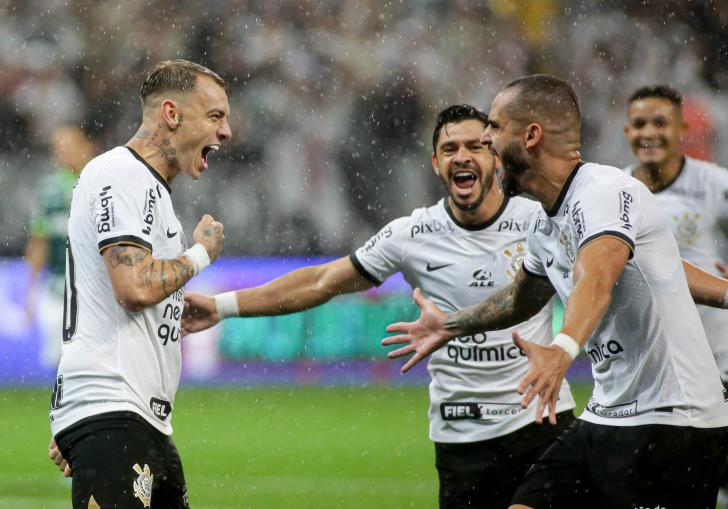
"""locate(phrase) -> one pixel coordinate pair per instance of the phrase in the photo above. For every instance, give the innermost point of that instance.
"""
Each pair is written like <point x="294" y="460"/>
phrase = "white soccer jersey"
<point x="696" y="203"/>
<point x="473" y="392"/>
<point x="114" y="360"/>
<point x="650" y="359"/>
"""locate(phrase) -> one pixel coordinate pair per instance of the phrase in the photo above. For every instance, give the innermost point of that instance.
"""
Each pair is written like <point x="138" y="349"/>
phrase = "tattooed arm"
<point x="139" y="280"/>
<point x="510" y="305"/>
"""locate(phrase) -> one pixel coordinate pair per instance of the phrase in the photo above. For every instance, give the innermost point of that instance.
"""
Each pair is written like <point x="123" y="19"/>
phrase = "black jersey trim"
<point x="565" y="189"/>
<point x="364" y="272"/>
<point x="125" y="239"/>
<point x="611" y="233"/>
<point x="154" y="172"/>
<point x="674" y="179"/>
<point x="532" y="274"/>
<point x="479" y="226"/>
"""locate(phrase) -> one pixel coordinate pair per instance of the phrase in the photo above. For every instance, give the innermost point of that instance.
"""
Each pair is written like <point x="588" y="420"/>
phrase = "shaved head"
<point x="546" y="100"/>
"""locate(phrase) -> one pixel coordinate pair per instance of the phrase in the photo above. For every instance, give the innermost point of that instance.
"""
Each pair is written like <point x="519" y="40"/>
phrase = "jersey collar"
<point x="479" y="226"/>
<point x="154" y="172"/>
<point x="562" y="195"/>
<point x="674" y="179"/>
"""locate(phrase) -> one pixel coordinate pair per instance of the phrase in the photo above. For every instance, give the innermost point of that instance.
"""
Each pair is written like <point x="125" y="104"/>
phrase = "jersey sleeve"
<point x="381" y="256"/>
<point x="118" y="202"/>
<point x="605" y="210"/>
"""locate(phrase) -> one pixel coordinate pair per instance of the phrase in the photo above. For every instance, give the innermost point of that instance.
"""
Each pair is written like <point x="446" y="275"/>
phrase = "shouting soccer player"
<point x="127" y="264"/>
<point x="459" y="251"/>
<point x="655" y="431"/>
<point x="693" y="194"/>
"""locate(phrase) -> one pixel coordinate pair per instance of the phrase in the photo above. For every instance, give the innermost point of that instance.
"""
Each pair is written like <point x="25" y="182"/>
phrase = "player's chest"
<point x="472" y="264"/>
<point x="689" y="213"/>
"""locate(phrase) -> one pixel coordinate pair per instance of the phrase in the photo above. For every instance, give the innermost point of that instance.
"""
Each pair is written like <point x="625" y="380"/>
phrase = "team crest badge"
<point x="685" y="228"/>
<point x="515" y="258"/>
<point x="143" y="484"/>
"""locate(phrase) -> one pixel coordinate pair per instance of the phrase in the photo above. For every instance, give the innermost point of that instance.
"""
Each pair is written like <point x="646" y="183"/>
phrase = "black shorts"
<point x="486" y="474"/>
<point x="627" y="467"/>
<point x="122" y="461"/>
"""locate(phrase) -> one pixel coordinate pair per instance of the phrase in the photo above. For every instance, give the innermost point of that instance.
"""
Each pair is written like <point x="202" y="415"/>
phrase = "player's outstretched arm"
<point x="139" y="280"/>
<point x="296" y="291"/>
<point x="705" y="287"/>
<point x="598" y="266"/>
<point x="509" y="306"/>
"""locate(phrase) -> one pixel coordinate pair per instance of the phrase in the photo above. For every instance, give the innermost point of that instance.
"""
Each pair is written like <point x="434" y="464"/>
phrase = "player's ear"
<point x="435" y="166"/>
<point x="533" y="135"/>
<point x="170" y="114"/>
<point x="626" y="130"/>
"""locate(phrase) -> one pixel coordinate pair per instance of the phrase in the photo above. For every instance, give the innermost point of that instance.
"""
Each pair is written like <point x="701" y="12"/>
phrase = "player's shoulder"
<point x="594" y="178"/>
<point x="705" y="171"/>
<point x="422" y="221"/>
<point x="118" y="167"/>
<point x="523" y="206"/>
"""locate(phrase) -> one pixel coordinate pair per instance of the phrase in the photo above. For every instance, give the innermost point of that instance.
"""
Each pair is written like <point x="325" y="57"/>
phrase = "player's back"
<point x="115" y="360"/>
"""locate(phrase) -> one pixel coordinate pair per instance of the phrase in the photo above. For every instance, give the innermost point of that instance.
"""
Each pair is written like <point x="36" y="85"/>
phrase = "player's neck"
<point x="551" y="177"/>
<point x="155" y="147"/>
<point x="657" y="177"/>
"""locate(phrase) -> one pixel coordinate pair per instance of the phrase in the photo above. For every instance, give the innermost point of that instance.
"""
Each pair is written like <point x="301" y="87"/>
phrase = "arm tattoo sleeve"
<point x="508" y="306"/>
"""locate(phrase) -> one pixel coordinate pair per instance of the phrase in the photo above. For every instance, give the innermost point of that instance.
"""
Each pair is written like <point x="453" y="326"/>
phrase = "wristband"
<point x="226" y="304"/>
<point x="724" y="304"/>
<point x="197" y="254"/>
<point x="567" y="344"/>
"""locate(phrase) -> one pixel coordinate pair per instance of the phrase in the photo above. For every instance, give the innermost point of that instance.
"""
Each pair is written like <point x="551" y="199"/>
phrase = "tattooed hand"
<point x="209" y="233"/>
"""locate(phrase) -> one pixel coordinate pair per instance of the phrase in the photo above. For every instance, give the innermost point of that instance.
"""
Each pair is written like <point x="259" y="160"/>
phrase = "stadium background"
<point x="333" y="104"/>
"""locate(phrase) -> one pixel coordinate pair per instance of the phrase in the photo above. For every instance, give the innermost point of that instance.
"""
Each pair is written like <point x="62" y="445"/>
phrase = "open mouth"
<point x="464" y="179"/>
<point x="651" y="144"/>
<point x="206" y="151"/>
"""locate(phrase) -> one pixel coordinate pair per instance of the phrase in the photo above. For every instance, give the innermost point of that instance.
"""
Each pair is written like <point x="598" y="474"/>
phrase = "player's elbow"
<point x="132" y="299"/>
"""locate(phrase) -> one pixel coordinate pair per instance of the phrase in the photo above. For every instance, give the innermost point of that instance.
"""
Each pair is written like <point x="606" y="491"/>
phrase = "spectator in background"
<point x="46" y="249"/>
<point x="692" y="193"/>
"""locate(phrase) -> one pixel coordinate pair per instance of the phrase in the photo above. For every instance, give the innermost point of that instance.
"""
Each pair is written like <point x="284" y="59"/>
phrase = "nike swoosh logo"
<point x="430" y="268"/>
<point x="170" y="235"/>
<point x="550" y="262"/>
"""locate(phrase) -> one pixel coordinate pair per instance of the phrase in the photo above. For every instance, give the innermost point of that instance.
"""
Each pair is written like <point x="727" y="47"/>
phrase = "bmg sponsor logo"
<point x="383" y="234"/>
<point x="430" y="227"/>
<point x="150" y="202"/>
<point x="625" y="204"/>
<point x="106" y="219"/>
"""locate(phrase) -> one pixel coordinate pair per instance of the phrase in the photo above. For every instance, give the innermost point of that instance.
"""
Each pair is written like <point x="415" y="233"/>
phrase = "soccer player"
<point x="460" y="250"/>
<point x="127" y="264"/>
<point x="693" y="194"/>
<point x="654" y="431"/>
<point x="46" y="248"/>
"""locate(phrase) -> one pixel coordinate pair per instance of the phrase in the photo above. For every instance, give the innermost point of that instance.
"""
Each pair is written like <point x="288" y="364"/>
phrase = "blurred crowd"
<point x="334" y="100"/>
